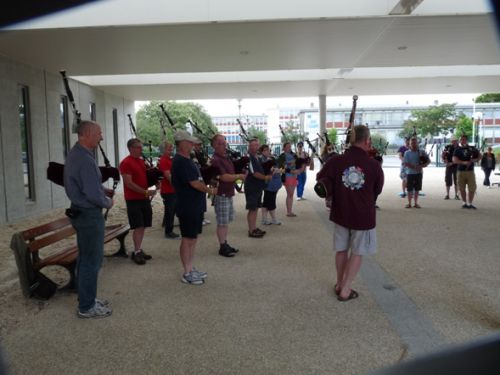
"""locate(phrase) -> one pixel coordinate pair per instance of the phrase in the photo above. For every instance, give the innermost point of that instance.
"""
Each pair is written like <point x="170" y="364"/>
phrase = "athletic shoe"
<point x="275" y="222"/>
<point x="173" y="236"/>
<point x="233" y="249"/>
<point x="226" y="251"/>
<point x="457" y="197"/>
<point x="206" y="221"/>
<point x="102" y="302"/>
<point x="255" y="234"/>
<point x="472" y="207"/>
<point x="138" y="258"/>
<point x="146" y="256"/>
<point x="465" y="205"/>
<point x="266" y="222"/>
<point x="192" y="278"/>
<point x="299" y="198"/>
<point x="98" y="311"/>
<point x="447" y="197"/>
<point x="202" y="275"/>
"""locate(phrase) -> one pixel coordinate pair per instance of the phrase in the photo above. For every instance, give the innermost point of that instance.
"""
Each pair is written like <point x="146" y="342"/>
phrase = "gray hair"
<point x="85" y="126"/>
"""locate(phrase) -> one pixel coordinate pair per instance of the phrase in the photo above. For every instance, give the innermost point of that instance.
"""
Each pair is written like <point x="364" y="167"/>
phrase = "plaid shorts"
<point x="224" y="211"/>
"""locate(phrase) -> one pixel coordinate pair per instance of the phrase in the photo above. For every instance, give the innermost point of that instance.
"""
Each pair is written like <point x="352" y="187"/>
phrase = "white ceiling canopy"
<point x="202" y="49"/>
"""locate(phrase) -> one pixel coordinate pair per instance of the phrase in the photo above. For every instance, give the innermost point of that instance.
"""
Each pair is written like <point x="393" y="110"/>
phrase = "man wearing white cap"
<point x="191" y="191"/>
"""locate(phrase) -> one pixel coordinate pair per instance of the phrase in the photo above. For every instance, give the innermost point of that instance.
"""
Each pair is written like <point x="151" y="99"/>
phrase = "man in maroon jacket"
<point x="354" y="180"/>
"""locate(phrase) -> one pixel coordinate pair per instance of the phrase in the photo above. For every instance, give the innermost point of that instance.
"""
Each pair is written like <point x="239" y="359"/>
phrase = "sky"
<point x="229" y="107"/>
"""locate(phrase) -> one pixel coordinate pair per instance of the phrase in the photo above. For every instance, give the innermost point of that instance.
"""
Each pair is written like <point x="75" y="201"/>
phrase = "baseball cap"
<point x="183" y="135"/>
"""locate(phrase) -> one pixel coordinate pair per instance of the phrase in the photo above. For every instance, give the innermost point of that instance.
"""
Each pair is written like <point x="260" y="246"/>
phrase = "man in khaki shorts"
<point x="465" y="157"/>
<point x="356" y="180"/>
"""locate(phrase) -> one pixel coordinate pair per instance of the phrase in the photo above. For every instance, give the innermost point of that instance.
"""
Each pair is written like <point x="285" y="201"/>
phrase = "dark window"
<point x="93" y="117"/>
<point x="65" y="131"/>
<point x="115" y="137"/>
<point x="26" y="151"/>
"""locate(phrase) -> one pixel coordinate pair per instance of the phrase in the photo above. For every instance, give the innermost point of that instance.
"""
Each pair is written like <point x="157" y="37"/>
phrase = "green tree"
<point x="332" y="135"/>
<point x="379" y="142"/>
<point x="150" y="119"/>
<point x="488" y="98"/>
<point x="292" y="133"/>
<point x="464" y="126"/>
<point x="261" y="135"/>
<point x="431" y="121"/>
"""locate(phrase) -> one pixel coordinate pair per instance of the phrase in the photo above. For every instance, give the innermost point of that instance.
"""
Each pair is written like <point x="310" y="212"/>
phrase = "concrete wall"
<point x="45" y="91"/>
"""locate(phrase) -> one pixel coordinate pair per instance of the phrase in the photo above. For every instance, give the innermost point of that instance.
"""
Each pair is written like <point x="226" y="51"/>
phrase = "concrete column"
<point x="322" y="113"/>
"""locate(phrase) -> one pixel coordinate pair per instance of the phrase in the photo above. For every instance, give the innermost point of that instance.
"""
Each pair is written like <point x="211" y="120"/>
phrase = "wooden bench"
<point x="29" y="246"/>
<point x="496" y="183"/>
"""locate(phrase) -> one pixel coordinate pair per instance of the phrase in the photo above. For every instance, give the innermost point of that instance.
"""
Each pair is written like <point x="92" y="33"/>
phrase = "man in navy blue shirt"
<point x="191" y="203"/>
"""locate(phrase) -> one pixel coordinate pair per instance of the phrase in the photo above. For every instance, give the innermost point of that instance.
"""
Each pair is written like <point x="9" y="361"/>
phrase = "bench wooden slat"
<point x="68" y="255"/>
<point x="51" y="238"/>
<point x="32" y="233"/>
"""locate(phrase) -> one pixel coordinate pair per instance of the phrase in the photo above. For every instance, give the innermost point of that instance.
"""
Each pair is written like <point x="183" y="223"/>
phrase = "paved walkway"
<point x="271" y="309"/>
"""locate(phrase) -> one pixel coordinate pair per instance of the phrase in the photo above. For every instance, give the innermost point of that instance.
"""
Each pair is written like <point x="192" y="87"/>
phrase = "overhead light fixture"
<point x="343" y="71"/>
<point x="405" y="7"/>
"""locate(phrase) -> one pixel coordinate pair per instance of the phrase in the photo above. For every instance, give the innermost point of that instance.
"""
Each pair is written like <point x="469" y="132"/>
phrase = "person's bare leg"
<point x="340" y="264"/>
<point x="252" y="220"/>
<point x="463" y="194"/>
<point x="264" y="214"/>
<point x="222" y="233"/>
<point x="289" y="198"/>
<point x="471" y="196"/>
<point x="186" y="253"/>
<point x="352" y="269"/>
<point x="137" y="237"/>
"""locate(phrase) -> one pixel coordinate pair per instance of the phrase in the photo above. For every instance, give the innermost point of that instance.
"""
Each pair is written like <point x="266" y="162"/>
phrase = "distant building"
<point x="386" y="121"/>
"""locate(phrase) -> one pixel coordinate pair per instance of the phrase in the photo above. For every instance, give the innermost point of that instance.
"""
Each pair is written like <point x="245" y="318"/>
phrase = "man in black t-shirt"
<point x="254" y="186"/>
<point x="450" y="177"/>
<point x="190" y="206"/>
<point x="465" y="156"/>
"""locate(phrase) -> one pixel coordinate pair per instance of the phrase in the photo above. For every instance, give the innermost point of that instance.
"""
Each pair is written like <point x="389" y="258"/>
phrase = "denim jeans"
<point x="169" y="211"/>
<point x="89" y="226"/>
<point x="301" y="183"/>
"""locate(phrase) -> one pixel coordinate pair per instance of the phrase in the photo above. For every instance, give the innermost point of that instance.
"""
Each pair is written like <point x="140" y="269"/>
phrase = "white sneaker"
<point x="299" y="198"/>
<point x="275" y="222"/>
<point x="266" y="222"/>
<point x="206" y="221"/>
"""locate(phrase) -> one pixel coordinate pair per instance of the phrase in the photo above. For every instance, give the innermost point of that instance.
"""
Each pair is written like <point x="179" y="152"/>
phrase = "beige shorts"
<point x="361" y="242"/>
<point x="467" y="178"/>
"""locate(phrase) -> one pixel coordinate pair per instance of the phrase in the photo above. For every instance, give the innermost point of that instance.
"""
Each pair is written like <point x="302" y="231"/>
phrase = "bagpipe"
<point x="55" y="171"/>
<point x="314" y="152"/>
<point x="209" y="172"/>
<point x="349" y="133"/>
<point x="153" y="174"/>
<point x="324" y="185"/>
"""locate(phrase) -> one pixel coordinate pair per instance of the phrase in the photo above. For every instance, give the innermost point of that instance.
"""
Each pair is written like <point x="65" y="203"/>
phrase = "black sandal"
<point x="352" y="295"/>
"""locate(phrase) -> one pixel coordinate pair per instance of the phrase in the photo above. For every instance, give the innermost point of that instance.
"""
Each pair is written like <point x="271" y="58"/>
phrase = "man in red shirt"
<point x="167" y="191"/>
<point x="355" y="181"/>
<point x="137" y="197"/>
